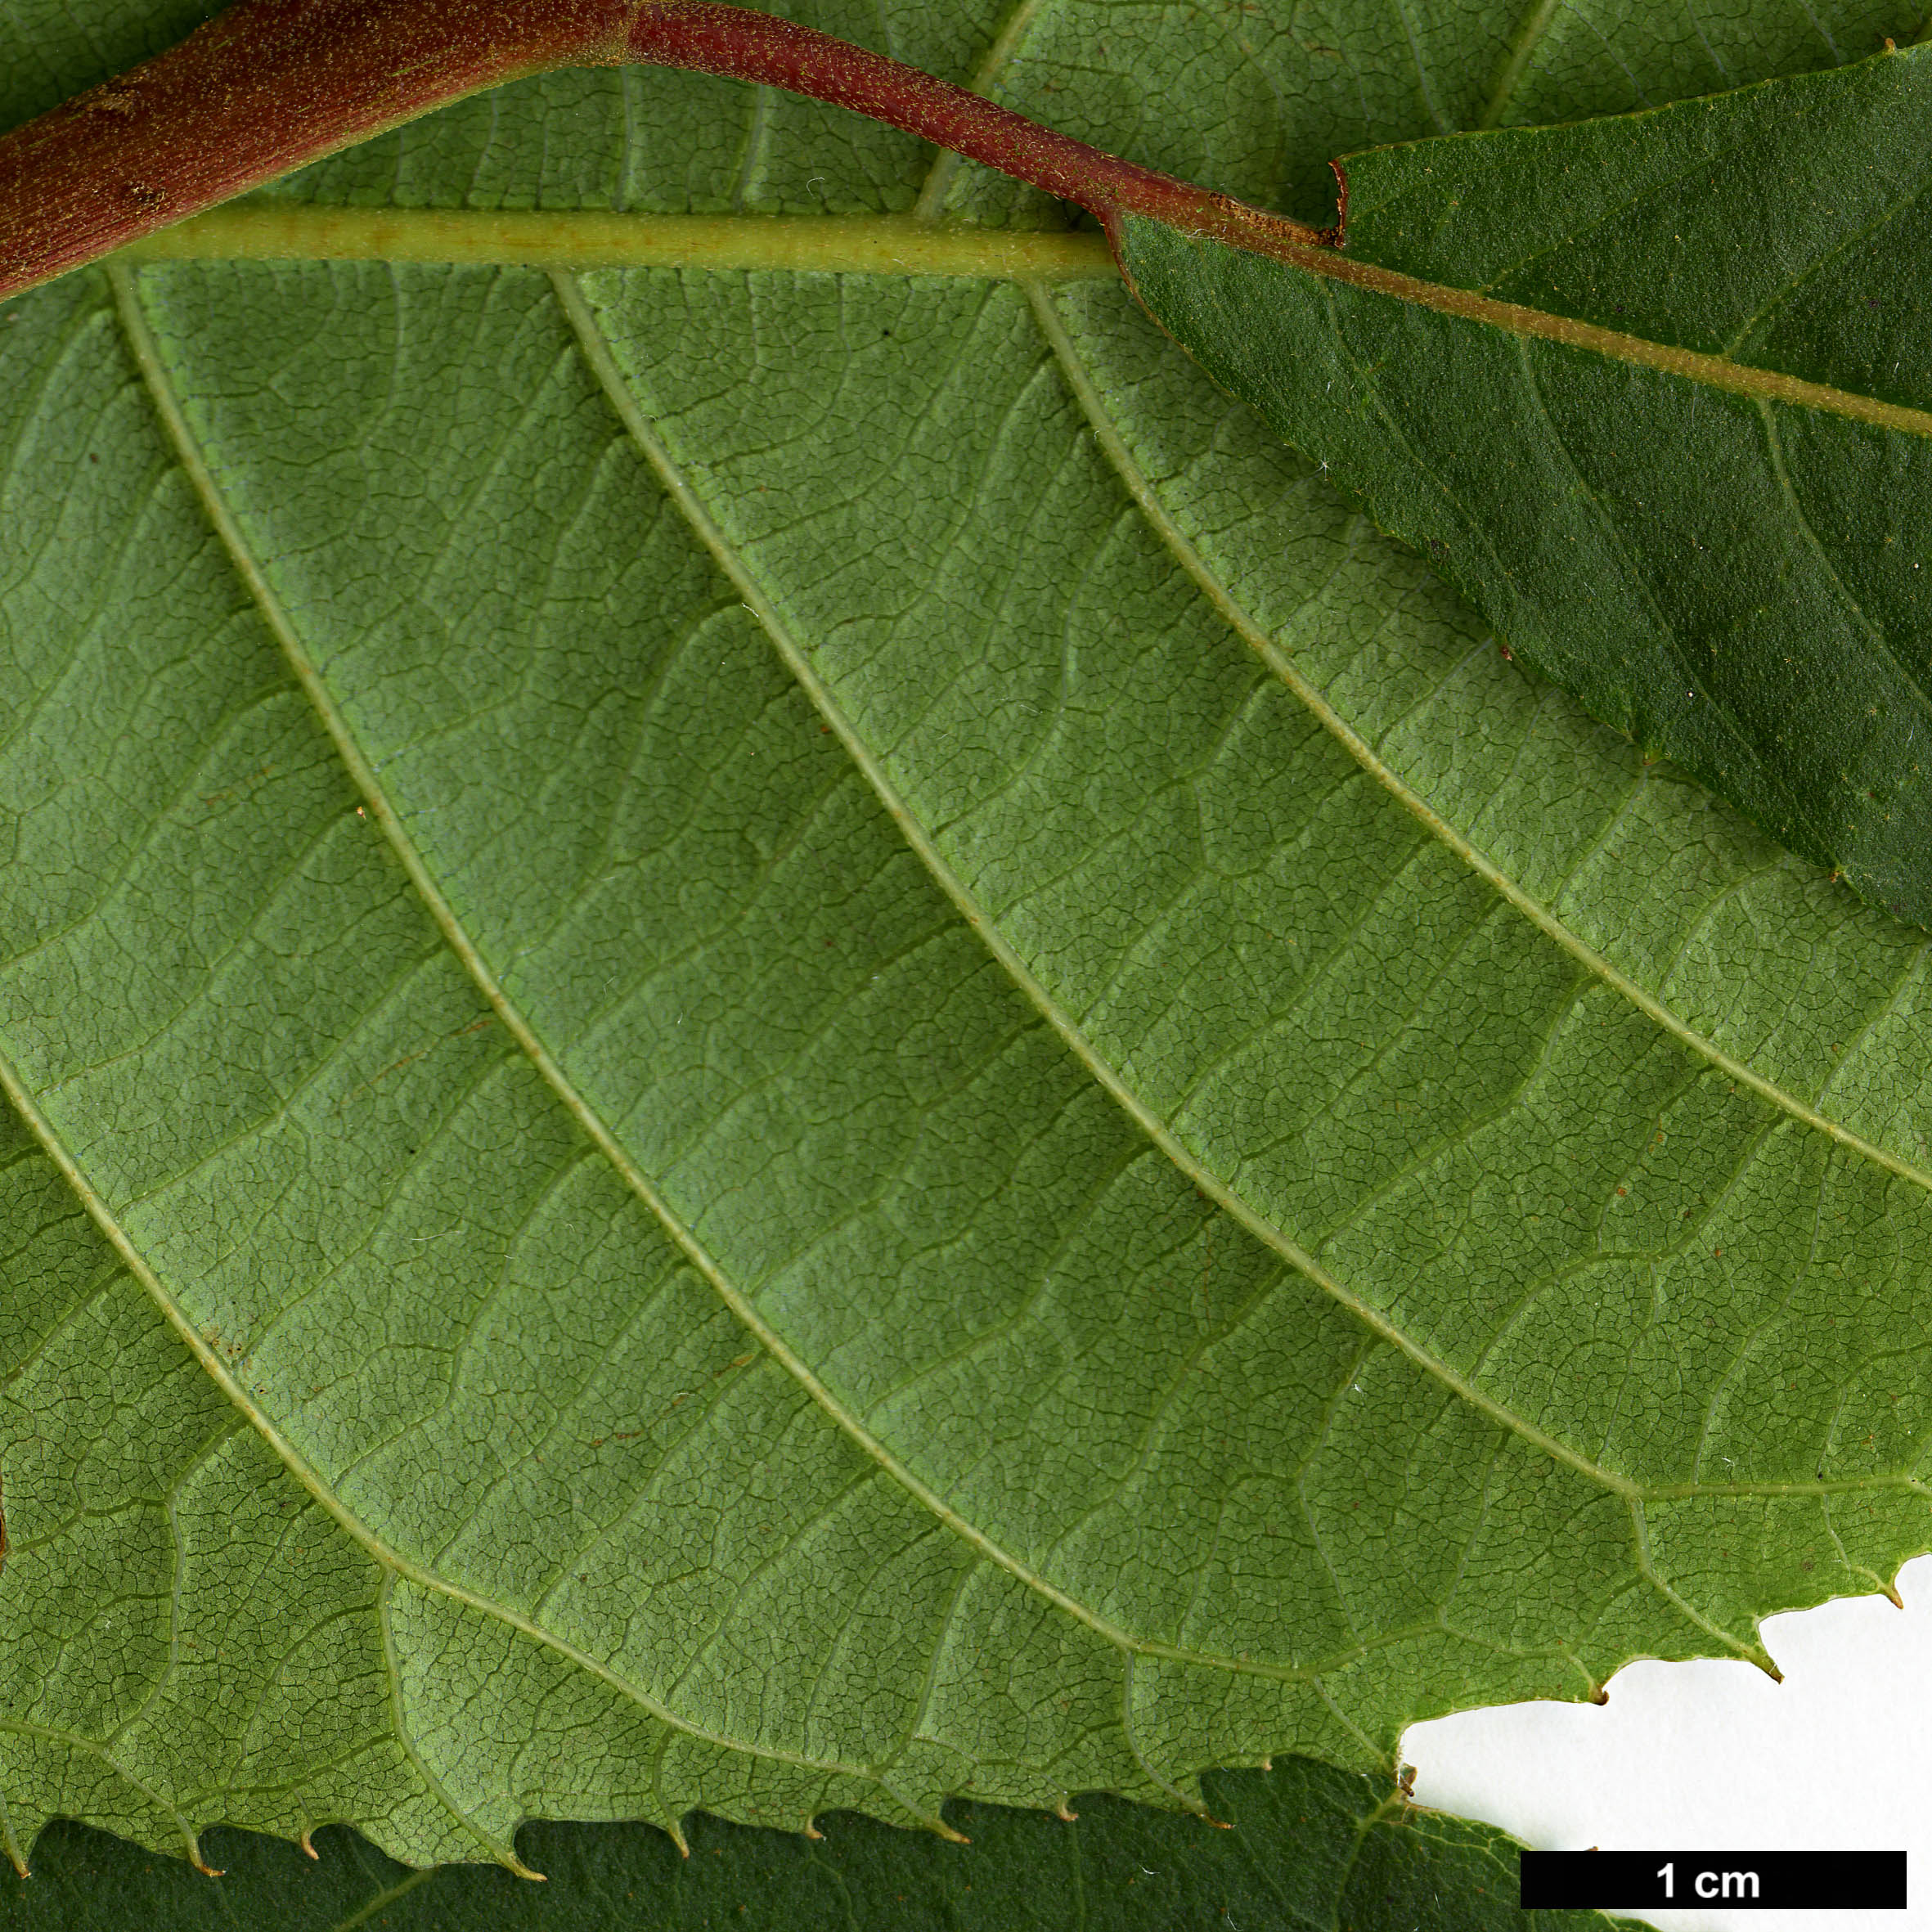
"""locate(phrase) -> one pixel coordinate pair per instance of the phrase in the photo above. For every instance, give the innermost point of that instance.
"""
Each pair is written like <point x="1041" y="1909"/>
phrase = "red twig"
<point x="272" y="84"/>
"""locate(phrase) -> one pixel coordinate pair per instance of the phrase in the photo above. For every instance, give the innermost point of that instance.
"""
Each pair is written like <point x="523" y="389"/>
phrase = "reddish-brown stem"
<point x="272" y="84"/>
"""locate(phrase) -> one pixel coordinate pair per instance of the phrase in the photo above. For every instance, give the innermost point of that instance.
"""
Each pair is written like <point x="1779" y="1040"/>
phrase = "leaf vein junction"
<point x="1210" y="1185"/>
<point x="1281" y="663"/>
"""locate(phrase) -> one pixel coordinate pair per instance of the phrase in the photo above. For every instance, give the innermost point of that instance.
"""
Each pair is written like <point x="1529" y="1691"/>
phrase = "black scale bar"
<point x="1767" y="1882"/>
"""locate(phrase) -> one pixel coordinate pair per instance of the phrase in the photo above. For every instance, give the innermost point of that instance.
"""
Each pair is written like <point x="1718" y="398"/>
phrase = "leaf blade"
<point x="1305" y="1841"/>
<point x="1026" y="1731"/>
<point x="1727" y="628"/>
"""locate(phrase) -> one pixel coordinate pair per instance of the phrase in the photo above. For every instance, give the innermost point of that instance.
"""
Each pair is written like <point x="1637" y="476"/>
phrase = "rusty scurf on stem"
<point x="272" y="84"/>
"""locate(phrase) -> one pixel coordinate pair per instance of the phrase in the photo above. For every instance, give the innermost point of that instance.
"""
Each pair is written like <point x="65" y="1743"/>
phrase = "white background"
<point x="1717" y="1757"/>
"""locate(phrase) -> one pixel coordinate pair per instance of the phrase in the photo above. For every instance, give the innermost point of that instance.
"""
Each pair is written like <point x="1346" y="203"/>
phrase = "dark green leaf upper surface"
<point x="787" y="1041"/>
<point x="1305" y="1848"/>
<point x="1732" y="571"/>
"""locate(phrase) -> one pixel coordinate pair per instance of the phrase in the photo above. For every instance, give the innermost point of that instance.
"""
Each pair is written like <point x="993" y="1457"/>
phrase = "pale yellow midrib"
<point x="580" y="239"/>
<point x="585" y="239"/>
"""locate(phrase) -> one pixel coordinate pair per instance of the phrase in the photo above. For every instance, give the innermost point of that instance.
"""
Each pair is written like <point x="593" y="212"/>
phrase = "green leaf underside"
<point x="1307" y="1847"/>
<point x="1652" y="392"/>
<point x="975" y="1105"/>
